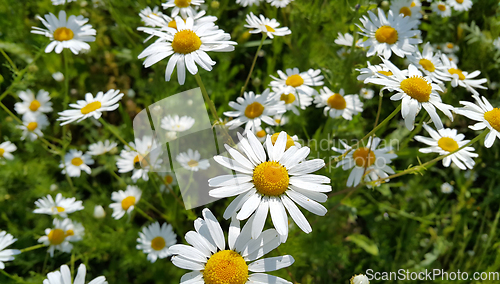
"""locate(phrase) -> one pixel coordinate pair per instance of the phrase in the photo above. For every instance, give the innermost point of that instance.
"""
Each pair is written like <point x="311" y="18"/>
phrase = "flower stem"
<point x="9" y="60"/>
<point x="206" y="97"/>
<point x="113" y="131"/>
<point x="264" y="36"/>
<point x="144" y="214"/>
<point x="32" y="248"/>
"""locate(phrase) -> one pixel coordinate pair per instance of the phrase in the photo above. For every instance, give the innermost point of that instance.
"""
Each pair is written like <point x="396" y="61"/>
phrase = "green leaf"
<point x="364" y="242"/>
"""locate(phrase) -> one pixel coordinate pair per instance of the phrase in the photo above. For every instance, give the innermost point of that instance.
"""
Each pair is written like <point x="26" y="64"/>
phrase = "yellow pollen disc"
<point x="192" y="163"/>
<point x="450" y="45"/>
<point x="493" y="118"/>
<point x="363" y="157"/>
<point x="32" y="126"/>
<point x="461" y="75"/>
<point x="294" y="81"/>
<point x="172" y="24"/>
<point x="225" y="267"/>
<point x="271" y="178"/>
<point x="158" y="243"/>
<point x="186" y="41"/>
<point x="254" y="110"/>
<point x="70" y="233"/>
<point x="59" y="209"/>
<point x="417" y="87"/>
<point x="140" y="162"/>
<point x="441" y="7"/>
<point x="1" y="152"/>
<point x="34" y="105"/>
<point x="269" y="29"/>
<point x="277" y="120"/>
<point x="288" y="99"/>
<point x="427" y="64"/>
<point x="386" y="73"/>
<point x="405" y="11"/>
<point x="77" y="161"/>
<point x="386" y="34"/>
<point x="56" y="237"/>
<point x="93" y="106"/>
<point x="261" y="133"/>
<point x="127" y="202"/>
<point x="169" y="179"/>
<point x="336" y="101"/>
<point x="413" y="4"/>
<point x="182" y="3"/>
<point x="460" y="1"/>
<point x="448" y="144"/>
<point x="289" y="140"/>
<point x="63" y="34"/>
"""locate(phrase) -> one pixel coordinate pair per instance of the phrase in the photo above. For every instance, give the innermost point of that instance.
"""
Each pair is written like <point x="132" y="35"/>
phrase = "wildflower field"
<point x="249" y="141"/>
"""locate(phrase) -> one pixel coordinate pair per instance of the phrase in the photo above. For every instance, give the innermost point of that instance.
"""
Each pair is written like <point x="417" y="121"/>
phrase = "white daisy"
<point x="372" y="71"/>
<point x="212" y="263"/>
<point x="161" y="21"/>
<point x="72" y="33"/>
<point x="441" y="8"/>
<point x="416" y="92"/>
<point x="367" y="163"/>
<point x="407" y="8"/>
<point x="125" y="201"/>
<point x="187" y="46"/>
<point x="302" y="82"/>
<point x="61" y="235"/>
<point x="280" y="119"/>
<point x="246" y="3"/>
<point x="191" y="160"/>
<point x="293" y="100"/>
<point x="261" y="133"/>
<point x="61" y="2"/>
<point x="366" y="93"/>
<point x="91" y="107"/>
<point x="460" y="5"/>
<point x="271" y="183"/>
<point x="169" y="181"/>
<point x="176" y="123"/>
<point x="155" y="240"/>
<point x="265" y="26"/>
<point x="347" y="39"/>
<point x="445" y="141"/>
<point x="75" y="162"/>
<point x="360" y="279"/>
<point x="290" y="140"/>
<point x="6" y="149"/>
<point x="33" y="105"/>
<point x="430" y="63"/>
<point x="99" y="212"/>
<point x="60" y="206"/>
<point x="33" y="125"/>
<point x="101" y="148"/>
<point x="449" y="47"/>
<point x="387" y="35"/>
<point x="446" y="188"/>
<point x="6" y="254"/>
<point x="140" y="161"/>
<point x="338" y="104"/>
<point x="486" y="114"/>
<point x="452" y="57"/>
<point x="64" y="276"/>
<point x="279" y="3"/>
<point x="146" y="14"/>
<point x="252" y="109"/>
<point x="185" y="7"/>
<point x="462" y="78"/>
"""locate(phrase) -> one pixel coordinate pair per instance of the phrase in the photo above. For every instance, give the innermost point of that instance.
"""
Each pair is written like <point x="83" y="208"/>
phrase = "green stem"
<point x="206" y="97"/>
<point x="32" y="248"/>
<point x="264" y="36"/>
<point x="144" y="214"/>
<point x="113" y="131"/>
<point x="9" y="60"/>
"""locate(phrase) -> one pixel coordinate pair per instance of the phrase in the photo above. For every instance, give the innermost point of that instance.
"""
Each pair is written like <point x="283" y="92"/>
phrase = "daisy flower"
<point x="441" y="8"/>
<point x="72" y="33"/>
<point x="140" y="161"/>
<point x="187" y="46"/>
<point x="125" y="201"/>
<point x="212" y="263"/>
<point x="184" y="7"/>
<point x="302" y="82"/>
<point x="415" y="92"/>
<point x="338" y="104"/>
<point x="161" y="21"/>
<point x="347" y="39"/>
<point x="155" y="240"/>
<point x="91" y="107"/>
<point x="279" y="3"/>
<point x="64" y="276"/>
<point x="369" y="163"/>
<point x="261" y="133"/>
<point x="366" y="93"/>
<point x="429" y="63"/>
<point x="191" y="160"/>
<point x="265" y="26"/>
<point x="99" y="212"/>
<point x="271" y="183"/>
<point x="101" y="148"/>
<point x="462" y="78"/>
<point x="33" y="125"/>
<point x="387" y="35"/>
<point x="407" y="8"/>
<point x="33" y="105"/>
<point x="373" y="71"/>
<point x="59" y="207"/>
<point x="246" y="3"/>
<point x="445" y="141"/>
<point x="61" y="235"/>
<point x="486" y="115"/>
<point x="75" y="162"/>
<point x="252" y="109"/>
<point x="290" y="140"/>
<point x="169" y="181"/>
<point x="61" y="2"/>
<point x="176" y="123"/>
<point x="452" y="57"/>
<point x="293" y="100"/>
<point x="146" y="14"/>
<point x="446" y="188"/>
<point x="6" y="254"/>
<point x="360" y="279"/>
<point x="460" y="5"/>
<point x="450" y="47"/>
<point x="6" y="149"/>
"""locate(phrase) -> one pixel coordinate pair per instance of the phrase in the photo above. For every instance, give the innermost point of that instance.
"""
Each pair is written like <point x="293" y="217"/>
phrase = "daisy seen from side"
<point x="441" y="8"/>
<point x="460" y="5"/>
<point x="169" y="181"/>
<point x="407" y="8"/>
<point x="141" y="160"/>
<point x="338" y="104"/>
<point x="155" y="240"/>
<point x="269" y="27"/>
<point x="366" y="93"/>
<point x="63" y="276"/>
<point x="101" y="148"/>
<point x="176" y="123"/>
<point x="191" y="160"/>
<point x="303" y="82"/>
<point x="347" y="40"/>
<point x="186" y="8"/>
<point x="6" y="150"/>
<point x="279" y="3"/>
<point x="147" y="13"/>
<point x="124" y="201"/>
<point x="462" y="78"/>
<point x="6" y="240"/>
<point x="246" y="3"/>
<point x="59" y="207"/>
<point x="293" y="100"/>
<point x="75" y="162"/>
<point x="429" y="63"/>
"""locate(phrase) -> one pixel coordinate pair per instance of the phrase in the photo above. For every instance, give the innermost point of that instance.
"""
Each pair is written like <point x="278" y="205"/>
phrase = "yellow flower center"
<point x="254" y="110"/>
<point x="77" y="161"/>
<point x="417" y="87"/>
<point x="32" y="126"/>
<point x="413" y="4"/>
<point x="70" y="233"/>
<point x="277" y="120"/>
<point x="363" y="157"/>
<point x="140" y="162"/>
<point x="405" y="11"/>
<point x="441" y="7"/>
<point x="169" y="179"/>
<point x="448" y="144"/>
<point x="288" y="99"/>
<point x="427" y="64"/>
<point x="460" y="1"/>
<point x="59" y="209"/>
<point x="493" y="118"/>
<point x="93" y="106"/>
<point x="34" y="105"/>
<point x="172" y="24"/>
<point x="271" y="178"/>
<point x="1" y="152"/>
<point x="56" y="237"/>
<point x="461" y="75"/>
<point x="336" y="101"/>
<point x="186" y="41"/>
<point x="386" y="73"/>
<point x="294" y="81"/>
<point x="182" y="3"/>
<point x="127" y="202"/>
<point x="63" y="34"/>
<point x="192" y="163"/>
<point x="450" y="45"/>
<point x="289" y="140"/>
<point x="225" y="267"/>
<point x="261" y="133"/>
<point x="158" y="243"/>
<point x="386" y="34"/>
<point x="269" y="29"/>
